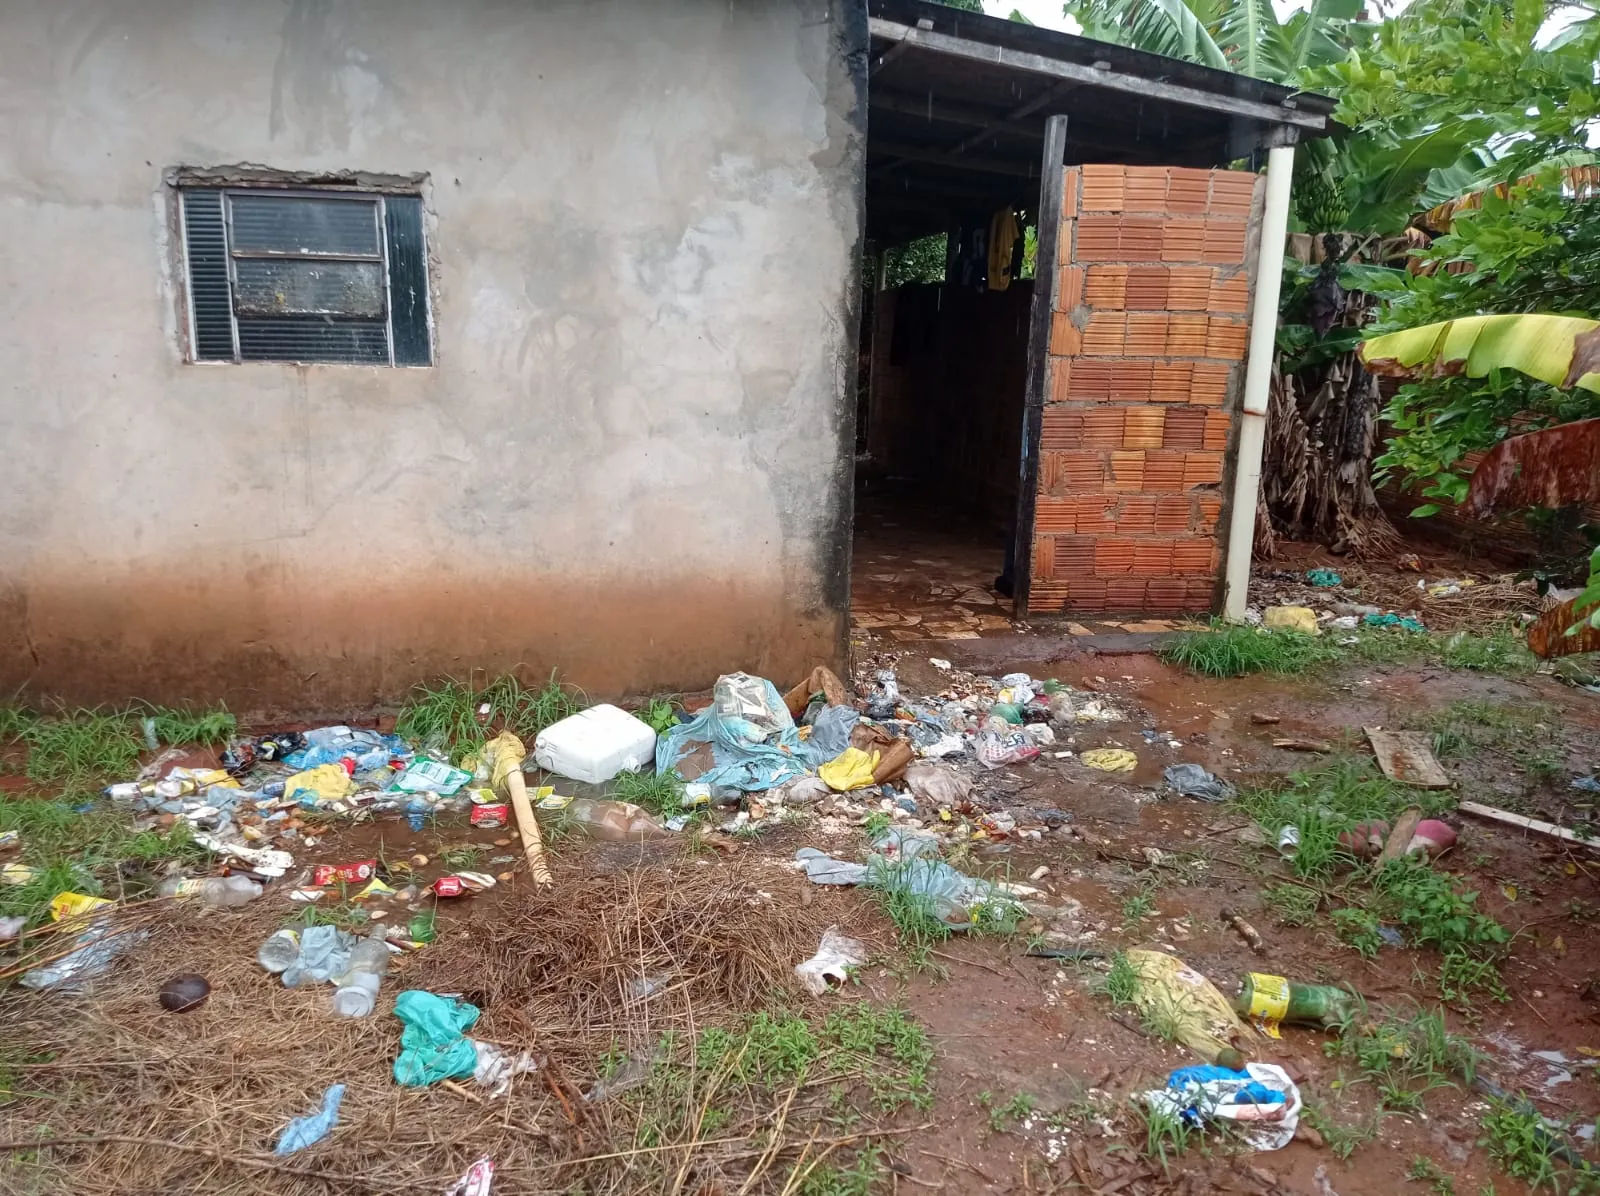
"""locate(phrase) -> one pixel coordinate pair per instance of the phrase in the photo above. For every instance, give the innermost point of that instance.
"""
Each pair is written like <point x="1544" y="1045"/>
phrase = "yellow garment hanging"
<point x="1003" y="234"/>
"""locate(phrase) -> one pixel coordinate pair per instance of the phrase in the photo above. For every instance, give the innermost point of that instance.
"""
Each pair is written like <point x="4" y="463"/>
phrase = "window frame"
<point x="376" y="198"/>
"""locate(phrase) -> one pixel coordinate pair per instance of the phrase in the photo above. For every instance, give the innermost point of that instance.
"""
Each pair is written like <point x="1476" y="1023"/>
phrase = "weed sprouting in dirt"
<point x="450" y="715"/>
<point x="441" y="716"/>
<point x="1234" y="651"/>
<point x="1427" y="1171"/>
<point x="1357" y="929"/>
<point x="1526" y="1147"/>
<point x="1166" y="1134"/>
<point x="1340" y="1139"/>
<point x="1403" y="1059"/>
<point x="1526" y="734"/>
<point x="1292" y="905"/>
<point x="1139" y="906"/>
<point x="659" y="792"/>
<point x="460" y="855"/>
<point x="1017" y="1109"/>
<point x="213" y="728"/>
<point x="1121" y="982"/>
<point x="661" y="715"/>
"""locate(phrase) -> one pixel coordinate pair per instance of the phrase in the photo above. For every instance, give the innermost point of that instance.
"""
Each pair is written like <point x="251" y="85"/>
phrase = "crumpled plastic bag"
<point x="739" y="697"/>
<point x="830" y="731"/>
<point x="904" y="843"/>
<point x="1291" y="618"/>
<point x="433" y="1046"/>
<point x="822" y="869"/>
<point x="938" y="784"/>
<point x="954" y="898"/>
<point x="1191" y="780"/>
<point x="431" y="776"/>
<point x="315" y="786"/>
<point x="835" y="956"/>
<point x="496" y="1067"/>
<point x="324" y="955"/>
<point x="97" y="949"/>
<point x="476" y="1181"/>
<point x="997" y="744"/>
<point x="1201" y="1017"/>
<point x="1261" y="1099"/>
<point x="801" y="791"/>
<point x="314" y="1127"/>
<point x="745" y="755"/>
<point x="1110" y="759"/>
<point x="851" y="769"/>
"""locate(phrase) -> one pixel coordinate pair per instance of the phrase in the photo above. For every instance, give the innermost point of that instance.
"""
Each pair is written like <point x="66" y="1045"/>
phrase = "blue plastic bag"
<point x="314" y="1127"/>
<point x="746" y="756"/>
<point x="432" y="1046"/>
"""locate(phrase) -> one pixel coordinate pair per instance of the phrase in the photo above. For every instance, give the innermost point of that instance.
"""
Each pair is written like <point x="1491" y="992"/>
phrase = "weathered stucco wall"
<point x="630" y="459"/>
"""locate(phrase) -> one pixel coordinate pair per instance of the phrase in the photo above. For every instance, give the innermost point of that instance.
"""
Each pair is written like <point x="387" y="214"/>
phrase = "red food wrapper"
<point x="448" y="886"/>
<point x="491" y="815"/>
<point x="351" y="874"/>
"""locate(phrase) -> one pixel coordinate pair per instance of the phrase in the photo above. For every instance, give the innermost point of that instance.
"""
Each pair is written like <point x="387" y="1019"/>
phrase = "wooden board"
<point x="1528" y="824"/>
<point x="1407" y="757"/>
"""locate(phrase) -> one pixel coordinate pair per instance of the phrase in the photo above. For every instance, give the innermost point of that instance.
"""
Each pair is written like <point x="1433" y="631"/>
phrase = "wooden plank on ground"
<point x="1527" y="824"/>
<point x="1407" y="757"/>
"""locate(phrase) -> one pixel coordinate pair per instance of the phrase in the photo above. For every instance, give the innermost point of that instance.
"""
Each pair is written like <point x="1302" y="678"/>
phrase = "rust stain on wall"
<point x="297" y="649"/>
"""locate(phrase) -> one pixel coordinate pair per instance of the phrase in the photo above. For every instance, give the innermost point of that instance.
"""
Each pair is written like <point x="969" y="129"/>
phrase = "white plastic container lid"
<point x="595" y="745"/>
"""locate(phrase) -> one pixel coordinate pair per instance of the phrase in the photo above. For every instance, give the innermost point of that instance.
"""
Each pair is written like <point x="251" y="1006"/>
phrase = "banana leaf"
<point x="1561" y="350"/>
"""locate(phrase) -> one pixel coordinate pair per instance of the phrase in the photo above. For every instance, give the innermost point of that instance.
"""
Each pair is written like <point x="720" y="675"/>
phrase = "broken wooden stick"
<point x="1527" y="824"/>
<point x="1246" y="931"/>
<point x="1303" y="745"/>
<point x="1400" y="837"/>
<point x="506" y="753"/>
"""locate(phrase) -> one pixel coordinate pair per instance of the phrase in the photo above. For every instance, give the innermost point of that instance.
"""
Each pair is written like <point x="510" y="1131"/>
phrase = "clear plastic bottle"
<point x="280" y="952"/>
<point x="358" y="987"/>
<point x="217" y="892"/>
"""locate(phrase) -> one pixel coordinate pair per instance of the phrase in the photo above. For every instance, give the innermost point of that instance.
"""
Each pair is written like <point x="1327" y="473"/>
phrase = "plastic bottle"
<point x="217" y="892"/>
<point x="1274" y="999"/>
<point x="417" y="812"/>
<point x="280" y="952"/>
<point x="358" y="987"/>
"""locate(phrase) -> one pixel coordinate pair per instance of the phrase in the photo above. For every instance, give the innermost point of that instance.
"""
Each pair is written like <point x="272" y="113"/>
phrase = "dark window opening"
<point x="306" y="277"/>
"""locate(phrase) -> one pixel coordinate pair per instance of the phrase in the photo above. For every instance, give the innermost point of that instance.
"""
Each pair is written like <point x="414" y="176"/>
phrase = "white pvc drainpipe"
<point x="1257" y="380"/>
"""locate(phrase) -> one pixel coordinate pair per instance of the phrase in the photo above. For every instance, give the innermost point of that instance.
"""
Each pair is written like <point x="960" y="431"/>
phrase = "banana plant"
<point x="1552" y="467"/>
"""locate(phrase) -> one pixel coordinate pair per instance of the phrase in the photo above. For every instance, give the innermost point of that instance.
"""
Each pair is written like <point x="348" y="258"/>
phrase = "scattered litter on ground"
<point x="1191" y="780"/>
<point x="314" y="1127"/>
<point x="835" y="957"/>
<point x="1260" y="1099"/>
<point x="1110" y="759"/>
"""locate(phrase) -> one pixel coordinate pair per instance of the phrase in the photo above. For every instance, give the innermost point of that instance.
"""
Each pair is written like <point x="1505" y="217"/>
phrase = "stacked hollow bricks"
<point x="1147" y="335"/>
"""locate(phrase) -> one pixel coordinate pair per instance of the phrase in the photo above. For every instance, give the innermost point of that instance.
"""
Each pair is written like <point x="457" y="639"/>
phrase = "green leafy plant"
<point x="1292" y="905"/>
<point x="1121" y="982"/>
<point x="1234" y="651"/>
<point x="1403" y="1059"/>
<point x="660" y="714"/>
<point x="1358" y="928"/>
<point x="659" y="792"/>
<point x="1425" y="1169"/>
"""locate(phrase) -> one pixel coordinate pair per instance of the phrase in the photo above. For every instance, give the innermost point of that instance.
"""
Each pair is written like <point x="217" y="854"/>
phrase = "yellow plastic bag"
<point x="1110" y="759"/>
<point x="325" y="783"/>
<point x="1291" y="618"/>
<point x="850" y="769"/>
<point x="504" y="755"/>
<point x="1183" y="1005"/>
<point x="73" y="905"/>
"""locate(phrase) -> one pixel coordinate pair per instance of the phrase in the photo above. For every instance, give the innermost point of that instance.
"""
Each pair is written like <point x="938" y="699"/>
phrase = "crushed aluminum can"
<point x="491" y="816"/>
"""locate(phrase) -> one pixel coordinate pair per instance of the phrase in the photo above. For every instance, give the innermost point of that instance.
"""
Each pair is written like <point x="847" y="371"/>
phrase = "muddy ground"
<point x="1032" y="1075"/>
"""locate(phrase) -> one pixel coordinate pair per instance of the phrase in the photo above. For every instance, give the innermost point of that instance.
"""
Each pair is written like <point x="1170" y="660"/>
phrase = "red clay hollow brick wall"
<point x="1147" y="347"/>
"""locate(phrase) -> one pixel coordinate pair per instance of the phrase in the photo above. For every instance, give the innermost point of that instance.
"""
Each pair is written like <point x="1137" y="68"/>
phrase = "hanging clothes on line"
<point x="1004" y="236"/>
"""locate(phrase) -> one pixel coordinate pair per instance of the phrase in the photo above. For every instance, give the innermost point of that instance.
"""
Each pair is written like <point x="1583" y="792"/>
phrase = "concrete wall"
<point x="631" y="457"/>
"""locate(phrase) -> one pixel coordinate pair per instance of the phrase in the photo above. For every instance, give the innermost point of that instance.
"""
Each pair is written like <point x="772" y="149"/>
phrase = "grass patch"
<point x="1340" y="1139"/>
<point x="1529" y="735"/>
<point x="85" y="748"/>
<point x="1358" y="930"/>
<point x="88" y="851"/>
<point x="1525" y="1147"/>
<point x="1327" y="800"/>
<point x="1292" y="905"/>
<point x="1235" y="650"/>
<point x="659" y="792"/>
<point x="212" y="728"/>
<point x="829" y="1073"/>
<point x="1166" y="1135"/>
<point x="1425" y="1170"/>
<point x="1121" y="983"/>
<point x="445" y="715"/>
<point x="1403" y="1060"/>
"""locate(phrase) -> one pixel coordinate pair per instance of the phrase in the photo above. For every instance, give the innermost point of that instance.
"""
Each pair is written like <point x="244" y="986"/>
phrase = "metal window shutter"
<point x="206" y="251"/>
